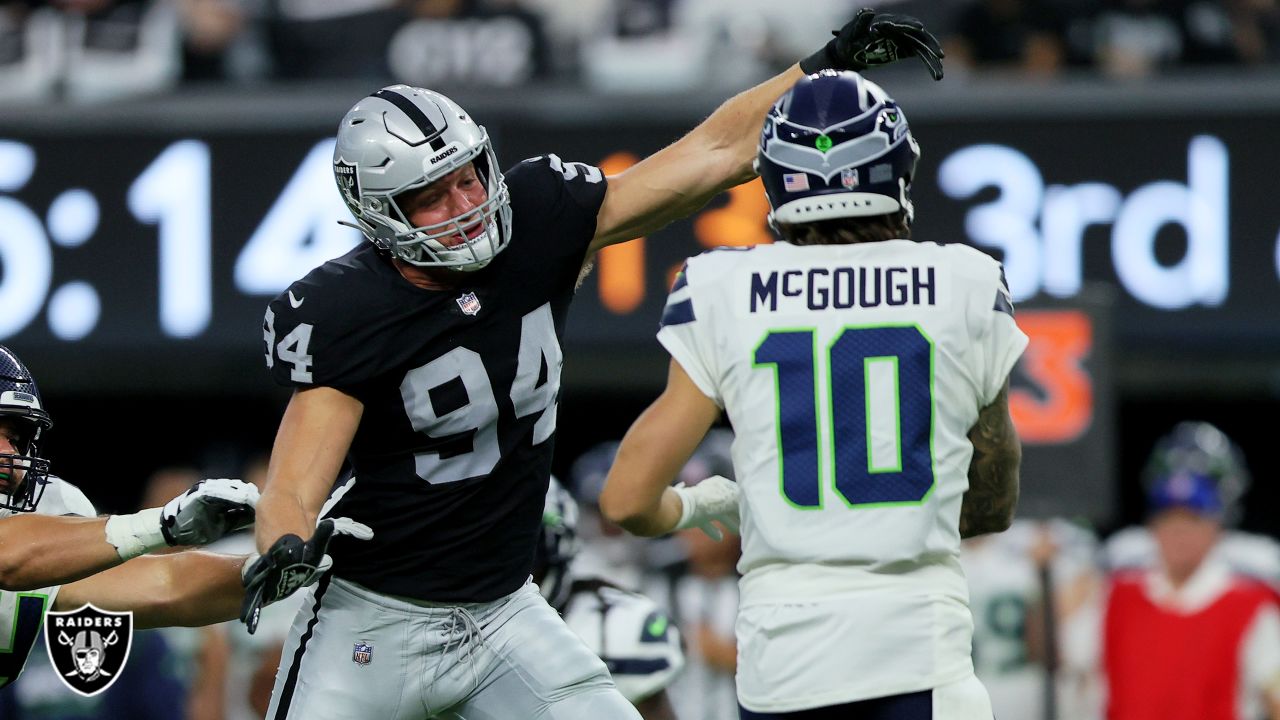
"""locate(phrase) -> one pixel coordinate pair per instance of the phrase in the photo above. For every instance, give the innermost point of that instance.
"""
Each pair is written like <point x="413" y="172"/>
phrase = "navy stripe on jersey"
<point x="1003" y="303"/>
<point x="415" y="114"/>
<point x="286" y="693"/>
<point x="678" y="313"/>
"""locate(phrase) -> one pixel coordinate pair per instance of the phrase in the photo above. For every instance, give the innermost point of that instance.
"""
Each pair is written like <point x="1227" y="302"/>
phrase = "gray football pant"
<point x="510" y="659"/>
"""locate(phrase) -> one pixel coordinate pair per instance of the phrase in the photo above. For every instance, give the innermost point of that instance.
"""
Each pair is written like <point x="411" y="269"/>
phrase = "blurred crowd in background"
<point x="1063" y="612"/>
<point x="85" y="50"/>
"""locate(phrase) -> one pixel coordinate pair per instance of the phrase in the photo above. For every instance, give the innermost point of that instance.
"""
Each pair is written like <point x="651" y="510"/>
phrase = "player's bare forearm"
<point x="682" y="177"/>
<point x="40" y="550"/>
<point x="637" y="493"/>
<point x="992" y="497"/>
<point x="175" y="589"/>
<point x="311" y="444"/>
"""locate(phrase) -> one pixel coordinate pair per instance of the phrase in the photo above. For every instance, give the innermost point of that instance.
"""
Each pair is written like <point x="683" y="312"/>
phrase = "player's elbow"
<point x="12" y="573"/>
<point x="622" y="507"/>
<point x="615" y="505"/>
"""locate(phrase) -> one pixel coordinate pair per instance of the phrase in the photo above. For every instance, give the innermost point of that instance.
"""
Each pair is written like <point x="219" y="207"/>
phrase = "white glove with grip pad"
<point x="715" y="498"/>
<point x="208" y="511"/>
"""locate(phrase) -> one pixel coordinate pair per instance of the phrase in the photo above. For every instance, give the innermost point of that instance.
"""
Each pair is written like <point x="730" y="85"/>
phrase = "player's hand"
<point x="291" y="563"/>
<point x="872" y="39"/>
<point x="715" y="498"/>
<point x="209" y="510"/>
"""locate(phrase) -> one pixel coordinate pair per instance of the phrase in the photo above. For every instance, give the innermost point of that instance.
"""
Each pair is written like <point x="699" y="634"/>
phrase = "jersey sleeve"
<point x="62" y="498"/>
<point x="1261" y="653"/>
<point x="564" y="197"/>
<point x="315" y="336"/>
<point x="687" y="333"/>
<point x="1000" y="341"/>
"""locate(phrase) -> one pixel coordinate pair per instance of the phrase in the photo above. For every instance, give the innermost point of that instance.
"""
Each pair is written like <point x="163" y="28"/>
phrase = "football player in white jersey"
<point x="55" y="554"/>
<point x="866" y="378"/>
<point x="635" y="638"/>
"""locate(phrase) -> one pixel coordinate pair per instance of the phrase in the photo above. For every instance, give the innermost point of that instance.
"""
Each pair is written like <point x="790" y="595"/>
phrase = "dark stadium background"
<point x="127" y="399"/>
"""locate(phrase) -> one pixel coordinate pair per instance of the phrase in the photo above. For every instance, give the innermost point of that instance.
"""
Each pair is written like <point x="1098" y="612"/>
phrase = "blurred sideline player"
<point x="1193" y="631"/>
<point x="1010" y="648"/>
<point x="866" y="378"/>
<point x="427" y="362"/>
<point x="1205" y="450"/>
<point x="634" y="637"/>
<point x="51" y="543"/>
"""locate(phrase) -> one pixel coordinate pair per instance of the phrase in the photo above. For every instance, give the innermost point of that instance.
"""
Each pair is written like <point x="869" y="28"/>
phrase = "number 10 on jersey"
<point x="879" y="414"/>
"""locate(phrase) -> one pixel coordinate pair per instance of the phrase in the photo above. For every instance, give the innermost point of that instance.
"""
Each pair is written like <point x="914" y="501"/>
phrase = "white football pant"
<point x="354" y="653"/>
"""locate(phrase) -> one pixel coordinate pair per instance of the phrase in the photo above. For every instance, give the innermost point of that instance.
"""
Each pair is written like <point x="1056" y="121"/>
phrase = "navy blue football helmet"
<point x="23" y="474"/>
<point x="836" y="146"/>
<point x="1202" y="451"/>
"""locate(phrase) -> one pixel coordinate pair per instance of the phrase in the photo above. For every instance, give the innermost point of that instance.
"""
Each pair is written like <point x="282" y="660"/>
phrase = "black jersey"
<point x="451" y="460"/>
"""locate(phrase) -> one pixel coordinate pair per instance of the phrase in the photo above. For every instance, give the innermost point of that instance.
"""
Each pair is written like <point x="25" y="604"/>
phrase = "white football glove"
<point x="715" y="498"/>
<point x="206" y="512"/>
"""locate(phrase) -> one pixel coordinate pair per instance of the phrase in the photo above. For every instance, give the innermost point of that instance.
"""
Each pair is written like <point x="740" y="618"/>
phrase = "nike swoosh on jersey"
<point x="295" y="302"/>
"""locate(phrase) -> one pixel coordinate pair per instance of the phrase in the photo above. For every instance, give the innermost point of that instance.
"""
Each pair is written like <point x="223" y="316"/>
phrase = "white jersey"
<point x="635" y="638"/>
<point x="851" y="375"/>
<point x="22" y="612"/>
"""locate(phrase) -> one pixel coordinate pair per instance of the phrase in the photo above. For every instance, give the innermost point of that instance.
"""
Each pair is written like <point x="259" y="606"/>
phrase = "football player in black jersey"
<point x="426" y="367"/>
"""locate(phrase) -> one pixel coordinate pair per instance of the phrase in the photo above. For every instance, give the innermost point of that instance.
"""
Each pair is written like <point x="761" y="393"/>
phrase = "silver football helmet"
<point x="403" y="138"/>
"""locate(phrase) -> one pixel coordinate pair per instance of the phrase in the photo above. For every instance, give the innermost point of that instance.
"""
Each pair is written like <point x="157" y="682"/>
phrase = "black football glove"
<point x="291" y="563"/>
<point x="872" y="39"/>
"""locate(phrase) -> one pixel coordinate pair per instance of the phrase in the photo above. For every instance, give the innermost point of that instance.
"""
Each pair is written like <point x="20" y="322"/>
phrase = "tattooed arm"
<point x="993" y="472"/>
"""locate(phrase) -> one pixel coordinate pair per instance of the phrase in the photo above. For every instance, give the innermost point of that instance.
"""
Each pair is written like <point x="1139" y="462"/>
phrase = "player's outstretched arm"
<point x="637" y="493"/>
<point x="41" y="550"/>
<point x="311" y="443"/>
<point x="718" y="153"/>
<point x="992" y="497"/>
<point x="185" y="588"/>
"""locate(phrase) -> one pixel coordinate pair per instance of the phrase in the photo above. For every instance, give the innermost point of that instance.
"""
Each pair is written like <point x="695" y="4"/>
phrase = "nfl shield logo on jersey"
<point x="88" y="647"/>
<point x="469" y="303"/>
<point x="362" y="653"/>
<point x="849" y="178"/>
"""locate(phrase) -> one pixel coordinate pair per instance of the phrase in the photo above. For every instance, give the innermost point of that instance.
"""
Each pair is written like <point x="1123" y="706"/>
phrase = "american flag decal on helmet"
<point x="362" y="653"/>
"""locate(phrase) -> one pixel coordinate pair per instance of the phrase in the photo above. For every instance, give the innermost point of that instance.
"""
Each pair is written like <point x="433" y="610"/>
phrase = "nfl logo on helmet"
<point x="362" y="653"/>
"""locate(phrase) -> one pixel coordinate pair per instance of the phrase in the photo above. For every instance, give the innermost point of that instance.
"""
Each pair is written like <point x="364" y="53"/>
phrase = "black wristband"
<point x="824" y="59"/>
